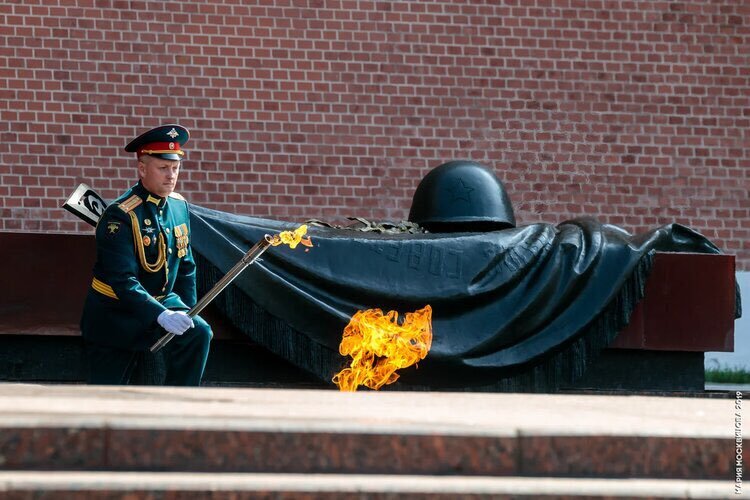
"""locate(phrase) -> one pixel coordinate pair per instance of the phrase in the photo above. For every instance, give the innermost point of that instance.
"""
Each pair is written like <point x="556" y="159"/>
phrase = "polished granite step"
<point x="85" y="428"/>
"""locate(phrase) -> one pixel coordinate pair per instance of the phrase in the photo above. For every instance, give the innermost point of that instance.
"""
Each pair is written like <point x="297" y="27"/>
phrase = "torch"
<point x="291" y="238"/>
<point x="250" y="257"/>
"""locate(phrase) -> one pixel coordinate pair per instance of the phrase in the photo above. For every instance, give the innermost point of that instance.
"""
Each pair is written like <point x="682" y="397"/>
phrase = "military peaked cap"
<point x="163" y="142"/>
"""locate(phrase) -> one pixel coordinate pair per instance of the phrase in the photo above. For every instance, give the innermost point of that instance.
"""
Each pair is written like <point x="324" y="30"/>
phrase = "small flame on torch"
<point x="379" y="346"/>
<point x="291" y="238"/>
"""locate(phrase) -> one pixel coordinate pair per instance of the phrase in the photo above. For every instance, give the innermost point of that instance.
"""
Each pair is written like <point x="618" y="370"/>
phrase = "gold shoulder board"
<point x="129" y="204"/>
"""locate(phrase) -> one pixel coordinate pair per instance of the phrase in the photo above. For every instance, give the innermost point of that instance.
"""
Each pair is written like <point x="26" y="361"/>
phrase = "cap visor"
<point x="168" y="156"/>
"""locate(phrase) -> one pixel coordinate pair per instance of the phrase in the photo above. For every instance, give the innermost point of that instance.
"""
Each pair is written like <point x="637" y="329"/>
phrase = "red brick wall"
<point x="636" y="112"/>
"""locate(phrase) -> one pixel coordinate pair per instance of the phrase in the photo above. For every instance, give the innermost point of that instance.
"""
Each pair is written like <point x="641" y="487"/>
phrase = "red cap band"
<point x="160" y="148"/>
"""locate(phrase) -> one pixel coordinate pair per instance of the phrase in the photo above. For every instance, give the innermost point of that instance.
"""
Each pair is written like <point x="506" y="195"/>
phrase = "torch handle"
<point x="250" y="257"/>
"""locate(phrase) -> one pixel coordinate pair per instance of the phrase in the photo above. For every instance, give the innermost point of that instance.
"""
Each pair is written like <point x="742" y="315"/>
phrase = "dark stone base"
<point x="241" y="363"/>
<point x="46" y="358"/>
<point x="641" y="370"/>
<point x="41" y="358"/>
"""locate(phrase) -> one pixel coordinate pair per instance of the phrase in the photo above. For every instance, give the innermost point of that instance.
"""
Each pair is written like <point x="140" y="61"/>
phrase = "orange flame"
<point x="291" y="238"/>
<point x="379" y="346"/>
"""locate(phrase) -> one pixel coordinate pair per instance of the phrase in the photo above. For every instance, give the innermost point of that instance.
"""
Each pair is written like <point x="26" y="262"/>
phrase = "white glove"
<point x="176" y="322"/>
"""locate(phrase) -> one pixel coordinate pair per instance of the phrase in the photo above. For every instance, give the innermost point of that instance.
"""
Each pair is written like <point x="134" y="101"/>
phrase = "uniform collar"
<point x="148" y="196"/>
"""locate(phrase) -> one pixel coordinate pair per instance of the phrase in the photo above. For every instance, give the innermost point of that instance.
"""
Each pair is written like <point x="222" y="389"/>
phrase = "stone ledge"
<point x="314" y="431"/>
<point x="74" y="485"/>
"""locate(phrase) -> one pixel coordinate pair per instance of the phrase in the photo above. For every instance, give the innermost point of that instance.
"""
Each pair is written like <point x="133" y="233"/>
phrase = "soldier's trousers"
<point x="185" y="357"/>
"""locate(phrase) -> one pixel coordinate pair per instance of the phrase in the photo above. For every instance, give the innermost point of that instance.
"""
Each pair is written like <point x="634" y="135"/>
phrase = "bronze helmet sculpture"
<point x="461" y="195"/>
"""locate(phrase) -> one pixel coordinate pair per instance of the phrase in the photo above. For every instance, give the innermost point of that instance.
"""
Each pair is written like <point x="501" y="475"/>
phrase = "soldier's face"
<point x="157" y="175"/>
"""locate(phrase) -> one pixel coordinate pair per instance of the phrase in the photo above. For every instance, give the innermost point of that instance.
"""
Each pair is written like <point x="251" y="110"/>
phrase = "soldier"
<point x="144" y="276"/>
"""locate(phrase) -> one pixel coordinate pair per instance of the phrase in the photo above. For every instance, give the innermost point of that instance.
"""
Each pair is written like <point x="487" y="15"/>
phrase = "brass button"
<point x="164" y="289"/>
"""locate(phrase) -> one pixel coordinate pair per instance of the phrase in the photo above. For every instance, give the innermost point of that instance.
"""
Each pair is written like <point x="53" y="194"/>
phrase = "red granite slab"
<point x="357" y="453"/>
<point x="47" y="297"/>
<point x="185" y="450"/>
<point x="688" y="305"/>
<point x="293" y="452"/>
<point x="627" y="456"/>
<point x="52" y="448"/>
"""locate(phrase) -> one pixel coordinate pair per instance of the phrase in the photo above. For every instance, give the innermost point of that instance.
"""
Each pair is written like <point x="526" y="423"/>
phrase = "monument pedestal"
<point x="688" y="309"/>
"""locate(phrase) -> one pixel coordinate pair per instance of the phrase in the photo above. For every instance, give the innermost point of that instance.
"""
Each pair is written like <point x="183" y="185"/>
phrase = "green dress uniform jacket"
<point x="144" y="265"/>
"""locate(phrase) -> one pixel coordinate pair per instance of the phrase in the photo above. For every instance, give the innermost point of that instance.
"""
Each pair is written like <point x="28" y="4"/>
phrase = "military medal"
<point x="146" y="241"/>
<point x="181" y="233"/>
<point x="147" y="222"/>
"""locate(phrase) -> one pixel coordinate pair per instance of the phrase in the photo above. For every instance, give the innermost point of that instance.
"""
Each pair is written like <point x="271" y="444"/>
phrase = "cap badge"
<point x="172" y="133"/>
<point x="171" y="145"/>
